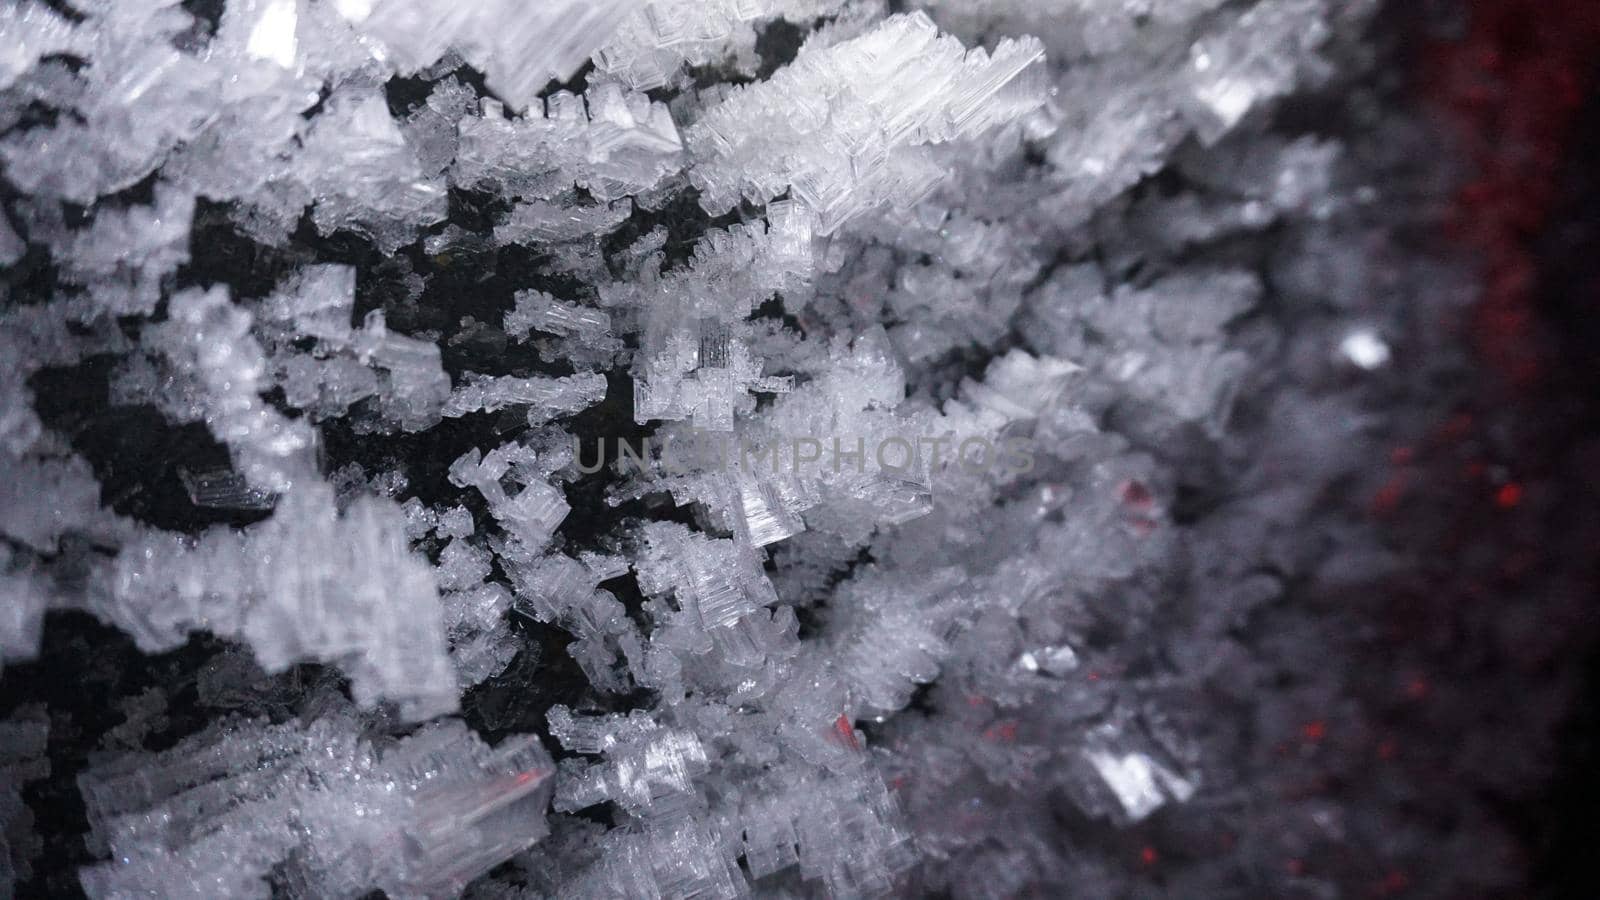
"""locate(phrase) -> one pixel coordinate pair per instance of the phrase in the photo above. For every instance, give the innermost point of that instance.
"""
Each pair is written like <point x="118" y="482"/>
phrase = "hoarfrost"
<point x="955" y="371"/>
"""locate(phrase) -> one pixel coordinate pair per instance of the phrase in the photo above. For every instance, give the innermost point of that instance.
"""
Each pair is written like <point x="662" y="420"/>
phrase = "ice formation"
<point x="901" y="337"/>
<point x="212" y="816"/>
<point x="841" y="126"/>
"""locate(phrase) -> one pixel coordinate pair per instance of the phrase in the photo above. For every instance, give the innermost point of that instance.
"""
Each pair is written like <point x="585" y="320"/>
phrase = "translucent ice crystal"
<point x="309" y="583"/>
<point x="208" y="339"/>
<point x="364" y="175"/>
<point x="843" y="127"/>
<point x="538" y="311"/>
<point x="695" y="363"/>
<point x="533" y="511"/>
<point x="643" y="764"/>
<point x="654" y="44"/>
<point x="316" y="805"/>
<point x="611" y="143"/>
<point x="520" y="46"/>
<point x="1127" y="784"/>
<point x="545" y="397"/>
<point x="224" y="489"/>
<point x="1256" y="61"/>
<point x="125" y="254"/>
<point x="717" y="585"/>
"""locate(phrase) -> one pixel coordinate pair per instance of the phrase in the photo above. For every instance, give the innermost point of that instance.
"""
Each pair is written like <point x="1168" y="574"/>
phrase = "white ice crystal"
<point x="124" y="255"/>
<point x="611" y="143"/>
<point x="693" y="364"/>
<point x="35" y="31"/>
<point x="545" y="397"/>
<point x="418" y="817"/>
<point x="520" y="47"/>
<point x="538" y="311"/>
<point x="363" y="173"/>
<point x="654" y="44"/>
<point x="844" y="127"/>
<point x="209" y="341"/>
<point x="308" y="584"/>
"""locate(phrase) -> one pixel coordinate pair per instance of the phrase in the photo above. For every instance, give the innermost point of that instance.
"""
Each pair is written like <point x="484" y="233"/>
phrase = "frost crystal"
<point x="329" y="812"/>
<point x="520" y="47"/>
<point x="847" y="127"/>
<point x="654" y="44"/>
<point x="209" y="340"/>
<point x="309" y="583"/>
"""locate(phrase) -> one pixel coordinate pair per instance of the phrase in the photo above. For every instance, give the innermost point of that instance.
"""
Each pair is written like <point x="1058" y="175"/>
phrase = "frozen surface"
<point x="853" y="440"/>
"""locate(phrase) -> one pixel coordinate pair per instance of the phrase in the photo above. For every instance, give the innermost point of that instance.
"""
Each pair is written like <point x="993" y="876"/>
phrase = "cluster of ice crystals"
<point x="311" y="804"/>
<point x="538" y="311"/>
<point x="208" y="339"/>
<point x="613" y="144"/>
<point x="654" y="45"/>
<point x="359" y="166"/>
<point x="696" y="360"/>
<point x="1255" y="61"/>
<point x="545" y="397"/>
<point x="123" y="256"/>
<point x="912" y="380"/>
<point x="847" y="127"/>
<point x="519" y="47"/>
<point x="311" y="583"/>
<point x="532" y="512"/>
<point x="640" y="768"/>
